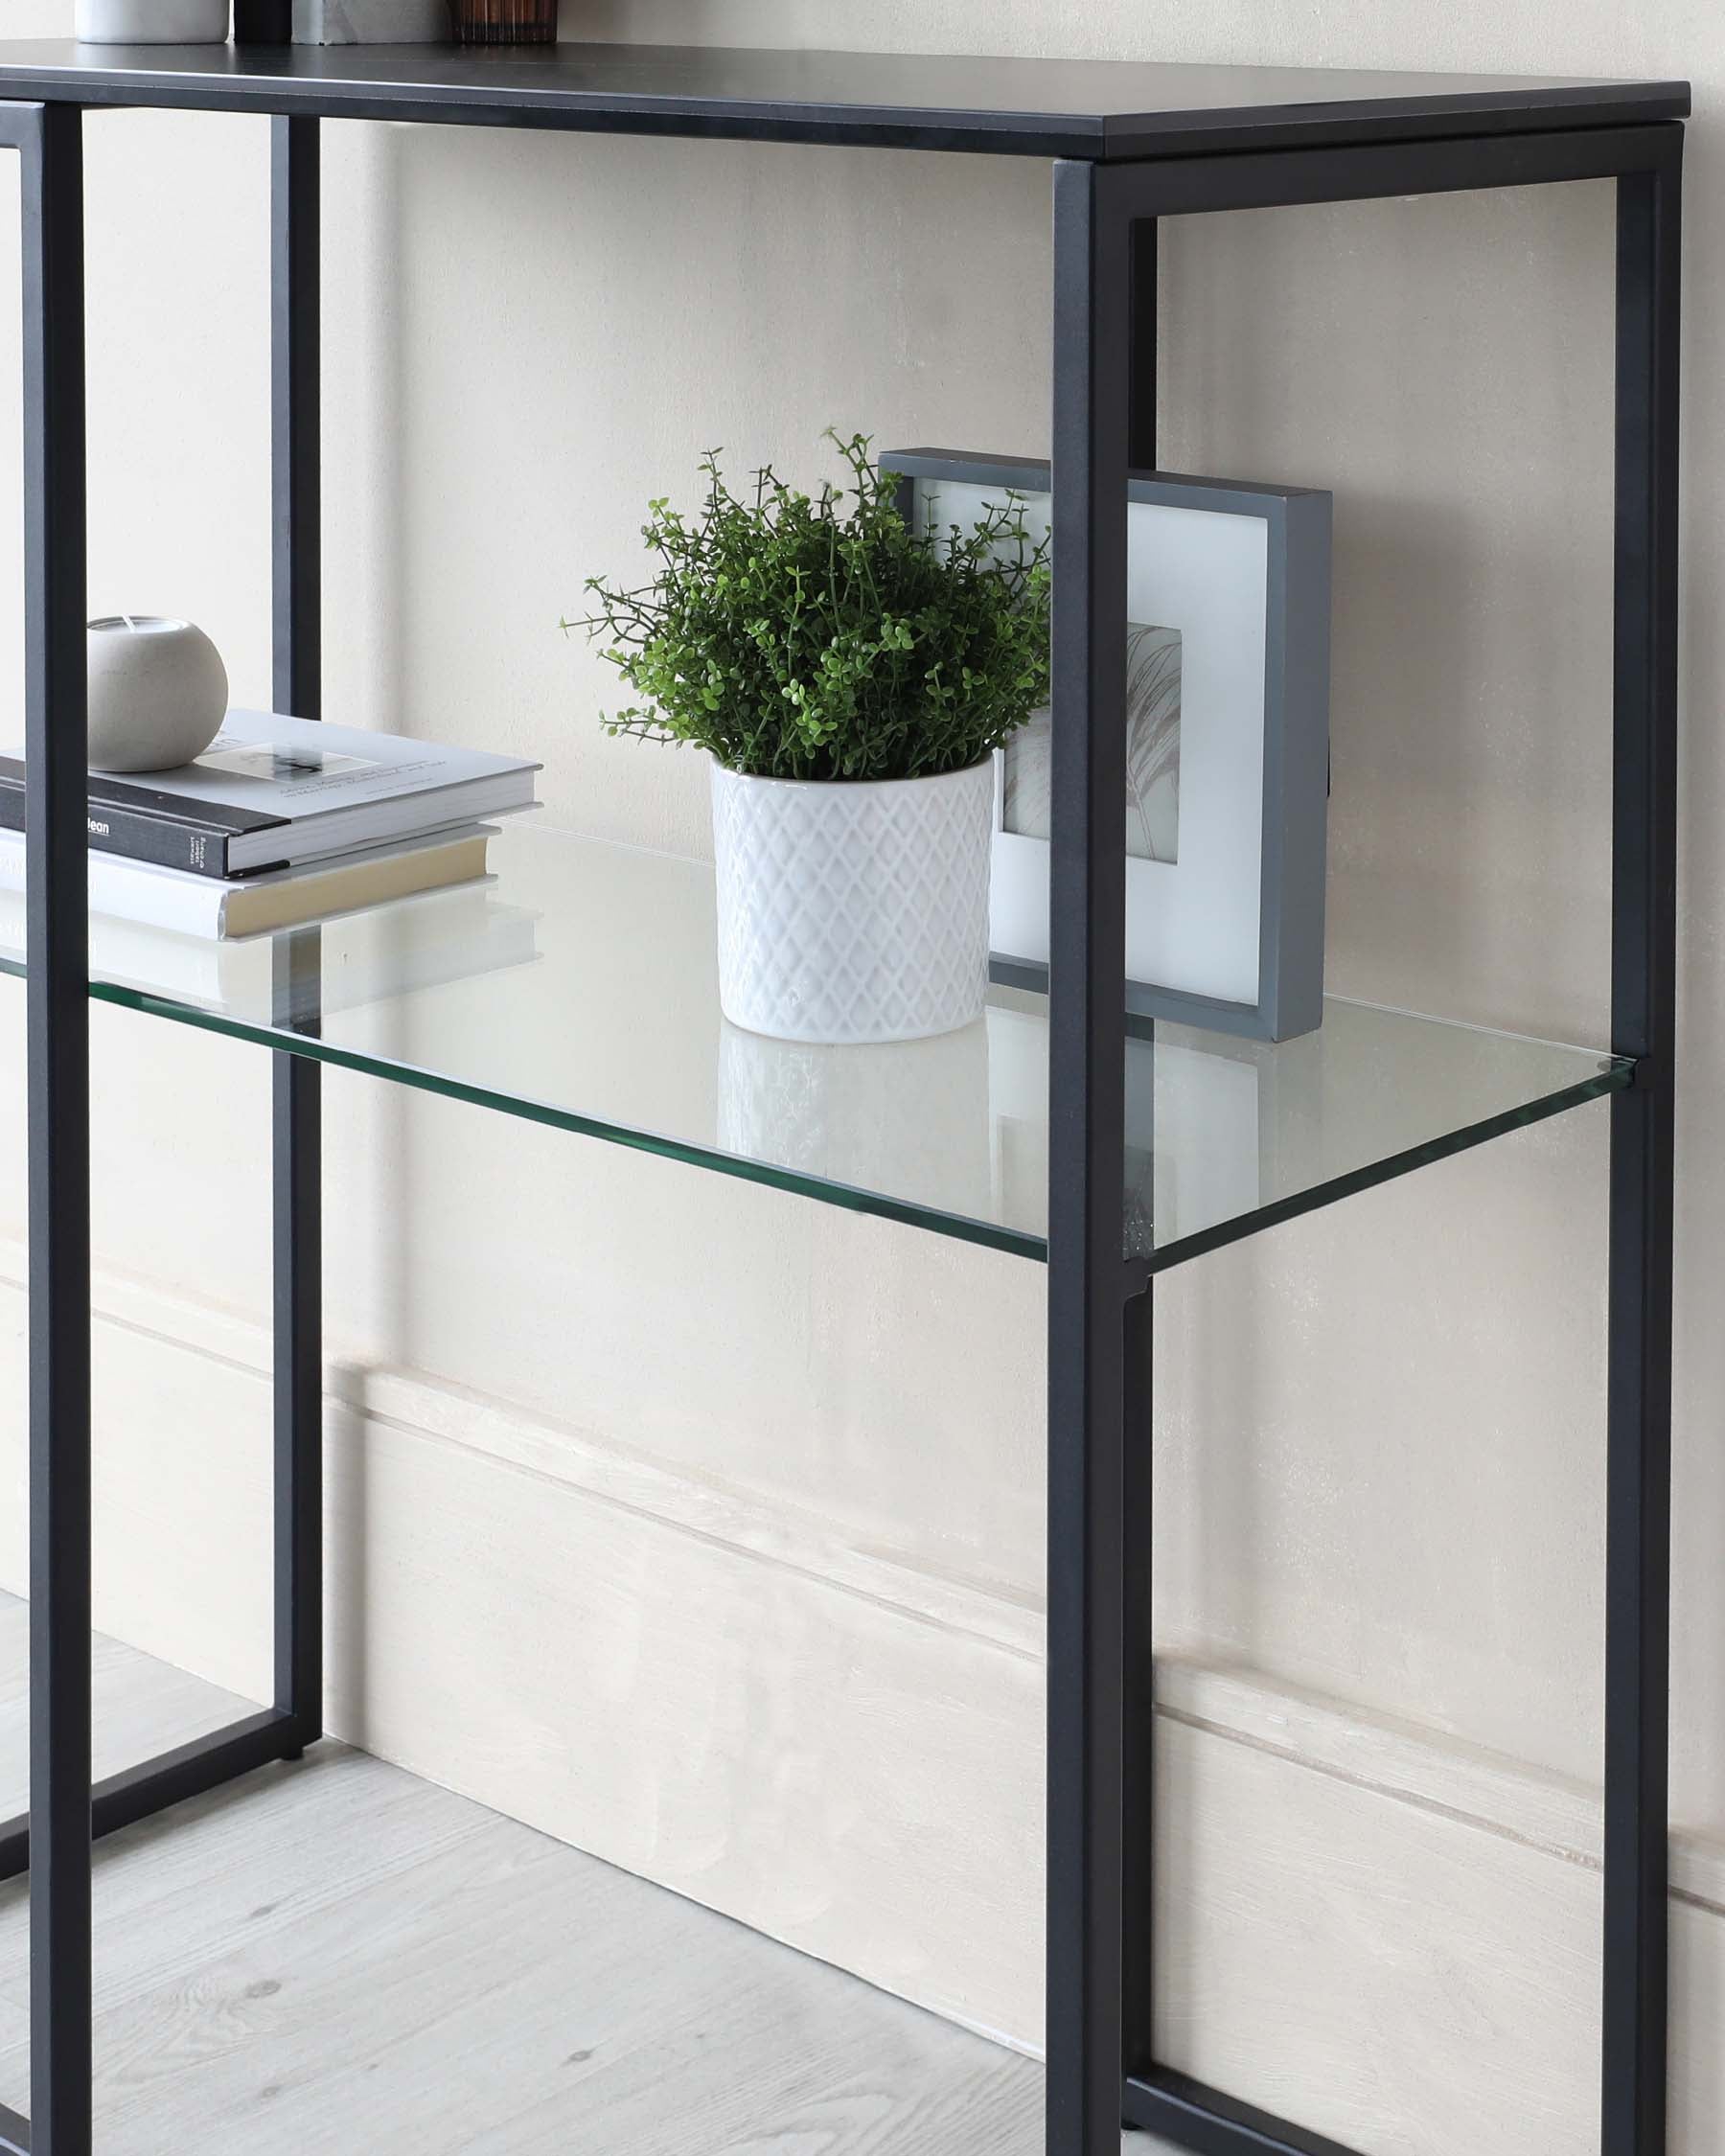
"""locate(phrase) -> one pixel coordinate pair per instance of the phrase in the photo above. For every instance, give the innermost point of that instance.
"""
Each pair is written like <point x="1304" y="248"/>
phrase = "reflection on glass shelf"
<point x="577" y="987"/>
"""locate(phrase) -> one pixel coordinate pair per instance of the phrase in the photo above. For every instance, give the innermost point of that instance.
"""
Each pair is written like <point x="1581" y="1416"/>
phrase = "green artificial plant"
<point x="821" y="637"/>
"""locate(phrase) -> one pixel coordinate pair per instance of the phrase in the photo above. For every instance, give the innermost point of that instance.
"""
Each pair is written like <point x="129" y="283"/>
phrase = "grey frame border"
<point x="1297" y="699"/>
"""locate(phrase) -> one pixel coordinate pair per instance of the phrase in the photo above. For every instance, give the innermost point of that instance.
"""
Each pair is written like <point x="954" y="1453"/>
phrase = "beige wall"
<point x="1379" y="1432"/>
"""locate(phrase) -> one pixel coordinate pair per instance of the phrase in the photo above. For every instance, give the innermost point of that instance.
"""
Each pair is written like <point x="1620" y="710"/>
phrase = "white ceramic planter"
<point x="159" y="693"/>
<point x="852" y="913"/>
<point x="153" y="22"/>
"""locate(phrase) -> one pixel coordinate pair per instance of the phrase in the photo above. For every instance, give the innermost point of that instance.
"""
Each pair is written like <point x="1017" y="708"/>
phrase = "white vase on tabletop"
<point x="153" y="22"/>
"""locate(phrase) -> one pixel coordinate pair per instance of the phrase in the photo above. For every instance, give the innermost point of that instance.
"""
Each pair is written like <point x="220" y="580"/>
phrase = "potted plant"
<point x="852" y="678"/>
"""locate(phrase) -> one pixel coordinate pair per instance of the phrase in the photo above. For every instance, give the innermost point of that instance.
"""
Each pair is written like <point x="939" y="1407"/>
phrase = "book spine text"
<point x="132" y="836"/>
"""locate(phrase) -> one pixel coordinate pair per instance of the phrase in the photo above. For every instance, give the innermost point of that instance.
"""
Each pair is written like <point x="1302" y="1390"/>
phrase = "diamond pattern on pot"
<point x="851" y="913"/>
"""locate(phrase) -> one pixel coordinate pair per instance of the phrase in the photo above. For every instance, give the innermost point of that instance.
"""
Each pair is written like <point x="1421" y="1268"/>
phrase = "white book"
<point x="200" y="905"/>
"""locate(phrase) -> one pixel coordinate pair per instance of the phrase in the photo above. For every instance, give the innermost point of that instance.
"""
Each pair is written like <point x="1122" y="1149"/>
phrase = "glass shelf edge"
<point x="1617" y="1077"/>
<point x="905" y="1212"/>
<point x="1614" y="1076"/>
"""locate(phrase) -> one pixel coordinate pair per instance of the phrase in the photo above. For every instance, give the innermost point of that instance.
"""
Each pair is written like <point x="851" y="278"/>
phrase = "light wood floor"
<point x="336" y="1956"/>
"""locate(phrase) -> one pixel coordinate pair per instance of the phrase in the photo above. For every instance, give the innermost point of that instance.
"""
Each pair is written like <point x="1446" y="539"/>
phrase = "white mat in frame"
<point x="1228" y="932"/>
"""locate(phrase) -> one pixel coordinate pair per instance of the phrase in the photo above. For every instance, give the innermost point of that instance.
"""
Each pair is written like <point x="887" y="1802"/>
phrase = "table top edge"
<point x="313" y="81"/>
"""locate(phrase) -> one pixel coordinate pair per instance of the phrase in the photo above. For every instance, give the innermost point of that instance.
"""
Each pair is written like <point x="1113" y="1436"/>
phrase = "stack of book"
<point x="279" y="823"/>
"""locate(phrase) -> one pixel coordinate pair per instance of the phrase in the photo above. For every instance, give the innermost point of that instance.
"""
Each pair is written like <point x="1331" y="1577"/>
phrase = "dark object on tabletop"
<point x="263" y="22"/>
<point x="506" y="22"/>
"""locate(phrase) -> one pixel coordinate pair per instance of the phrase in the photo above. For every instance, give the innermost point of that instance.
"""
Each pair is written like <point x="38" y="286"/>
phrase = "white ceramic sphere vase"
<point x="159" y="693"/>
<point x="153" y="22"/>
<point x="853" y="913"/>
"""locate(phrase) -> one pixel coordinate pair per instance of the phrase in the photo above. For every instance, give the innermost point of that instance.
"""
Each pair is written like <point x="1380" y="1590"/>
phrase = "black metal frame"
<point x="53" y="1841"/>
<point x="1102" y="2063"/>
<point x="296" y="554"/>
<point x="1101" y="1674"/>
<point x="60" y="1102"/>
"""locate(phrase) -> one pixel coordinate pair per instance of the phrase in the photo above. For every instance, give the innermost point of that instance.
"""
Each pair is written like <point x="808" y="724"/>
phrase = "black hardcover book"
<point x="141" y="824"/>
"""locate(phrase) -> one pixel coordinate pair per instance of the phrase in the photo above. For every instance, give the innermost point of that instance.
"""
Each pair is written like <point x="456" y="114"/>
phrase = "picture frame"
<point x="1229" y="611"/>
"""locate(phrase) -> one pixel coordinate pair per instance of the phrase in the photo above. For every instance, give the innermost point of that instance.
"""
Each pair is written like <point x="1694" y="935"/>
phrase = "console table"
<point x="1129" y="143"/>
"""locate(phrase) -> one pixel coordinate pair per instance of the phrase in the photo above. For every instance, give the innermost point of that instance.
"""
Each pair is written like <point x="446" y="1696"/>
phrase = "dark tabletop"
<point x="1031" y="107"/>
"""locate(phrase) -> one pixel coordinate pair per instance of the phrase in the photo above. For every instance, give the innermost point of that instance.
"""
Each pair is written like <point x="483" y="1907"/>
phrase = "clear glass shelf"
<point x="577" y="988"/>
